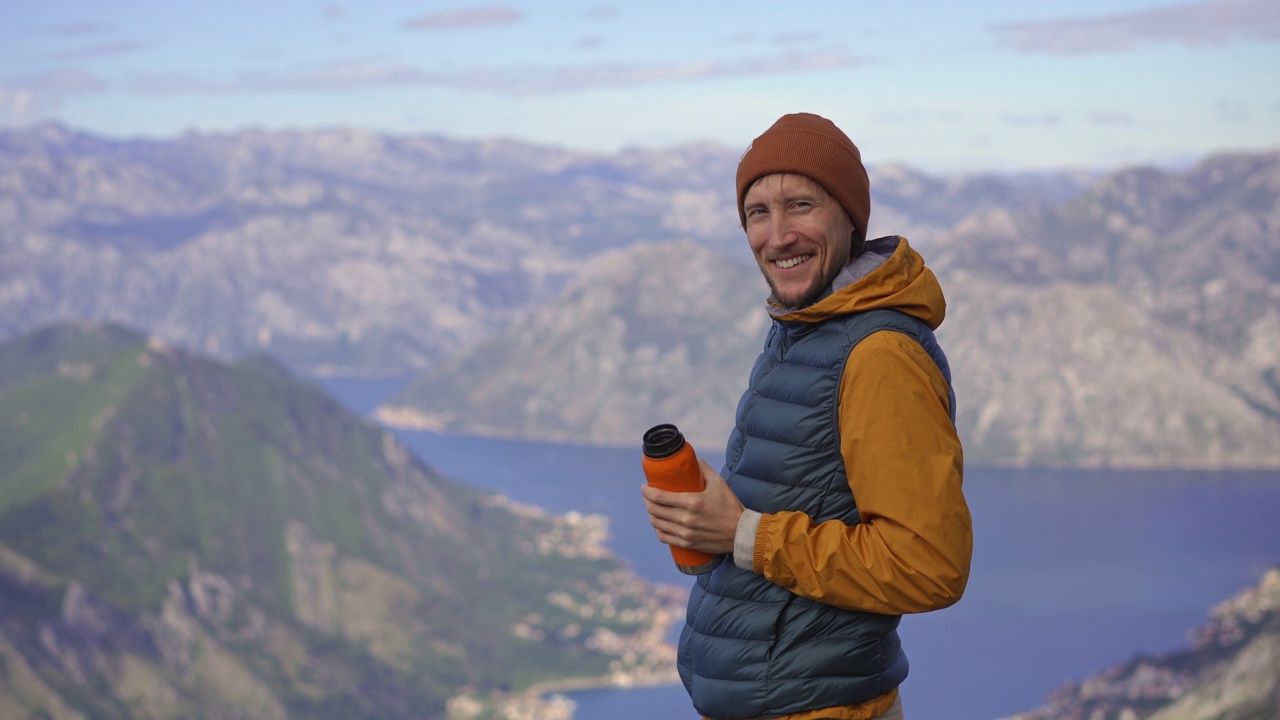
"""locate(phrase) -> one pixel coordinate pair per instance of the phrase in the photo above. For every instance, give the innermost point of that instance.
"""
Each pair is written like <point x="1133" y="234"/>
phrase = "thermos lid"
<point x="662" y="441"/>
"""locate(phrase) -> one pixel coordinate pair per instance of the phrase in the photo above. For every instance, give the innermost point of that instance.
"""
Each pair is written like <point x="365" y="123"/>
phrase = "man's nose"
<point x="780" y="230"/>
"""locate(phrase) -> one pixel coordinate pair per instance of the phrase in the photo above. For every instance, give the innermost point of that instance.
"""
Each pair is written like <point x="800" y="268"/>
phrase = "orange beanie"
<point x="810" y="145"/>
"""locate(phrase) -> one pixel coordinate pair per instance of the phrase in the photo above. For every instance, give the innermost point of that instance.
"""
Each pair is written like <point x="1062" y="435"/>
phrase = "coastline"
<point x="601" y="682"/>
<point x="547" y="700"/>
<point x="645" y="659"/>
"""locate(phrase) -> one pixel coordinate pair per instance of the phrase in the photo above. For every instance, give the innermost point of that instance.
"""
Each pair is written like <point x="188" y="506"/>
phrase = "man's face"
<point x="799" y="234"/>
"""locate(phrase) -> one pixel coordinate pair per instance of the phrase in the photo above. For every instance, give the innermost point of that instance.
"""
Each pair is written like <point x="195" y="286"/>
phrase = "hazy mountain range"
<point x="347" y="251"/>
<point x="185" y="538"/>
<point x="1137" y="324"/>
<point x="1126" y="319"/>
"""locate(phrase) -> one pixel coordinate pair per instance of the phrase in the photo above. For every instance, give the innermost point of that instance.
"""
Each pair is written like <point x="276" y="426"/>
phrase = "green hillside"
<point x="184" y="538"/>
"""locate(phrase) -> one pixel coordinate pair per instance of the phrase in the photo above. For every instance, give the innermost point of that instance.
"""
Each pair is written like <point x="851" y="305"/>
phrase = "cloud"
<point x="1044" y="120"/>
<point x="31" y="99"/>
<point x="1232" y="111"/>
<point x="18" y="105"/>
<point x="101" y="50"/>
<point x="79" y="28"/>
<point x="522" y="81"/>
<point x="1104" y="117"/>
<point x="1208" y="22"/>
<point x="918" y="116"/>
<point x="477" y="17"/>
<point x="797" y="37"/>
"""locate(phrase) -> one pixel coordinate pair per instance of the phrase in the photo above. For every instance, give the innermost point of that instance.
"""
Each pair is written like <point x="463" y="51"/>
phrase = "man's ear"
<point x="855" y="244"/>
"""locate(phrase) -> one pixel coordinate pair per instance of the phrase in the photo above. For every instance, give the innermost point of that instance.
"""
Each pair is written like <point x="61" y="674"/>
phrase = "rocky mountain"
<point x="1138" y="324"/>
<point x="1231" y="671"/>
<point x="1128" y="319"/>
<point x="1135" y="324"/>
<point x="651" y="334"/>
<point x="344" y="251"/>
<point x="185" y="538"/>
<point x="923" y="208"/>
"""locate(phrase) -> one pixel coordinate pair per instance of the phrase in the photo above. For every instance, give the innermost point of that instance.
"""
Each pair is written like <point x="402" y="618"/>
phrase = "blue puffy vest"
<point x="752" y="649"/>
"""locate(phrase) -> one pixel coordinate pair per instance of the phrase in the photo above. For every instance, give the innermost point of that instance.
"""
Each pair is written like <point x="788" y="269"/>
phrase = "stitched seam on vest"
<point x="773" y="647"/>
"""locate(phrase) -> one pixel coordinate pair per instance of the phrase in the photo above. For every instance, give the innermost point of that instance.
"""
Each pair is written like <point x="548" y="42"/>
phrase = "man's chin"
<point x="797" y="300"/>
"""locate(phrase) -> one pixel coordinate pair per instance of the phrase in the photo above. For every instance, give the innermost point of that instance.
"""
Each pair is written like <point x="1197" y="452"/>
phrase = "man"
<point x="841" y="499"/>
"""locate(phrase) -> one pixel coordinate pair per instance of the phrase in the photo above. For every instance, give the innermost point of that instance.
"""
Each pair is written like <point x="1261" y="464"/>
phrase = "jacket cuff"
<point x="744" y="540"/>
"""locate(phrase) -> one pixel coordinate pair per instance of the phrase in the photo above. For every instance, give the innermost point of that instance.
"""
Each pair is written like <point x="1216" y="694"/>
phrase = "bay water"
<point x="1074" y="571"/>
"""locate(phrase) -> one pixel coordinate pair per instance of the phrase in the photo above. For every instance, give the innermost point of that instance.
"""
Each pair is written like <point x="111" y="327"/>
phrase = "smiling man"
<point x="840" y="501"/>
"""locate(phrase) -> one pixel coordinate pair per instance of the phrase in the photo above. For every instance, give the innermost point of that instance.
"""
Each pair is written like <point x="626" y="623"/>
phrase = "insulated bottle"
<point x="670" y="464"/>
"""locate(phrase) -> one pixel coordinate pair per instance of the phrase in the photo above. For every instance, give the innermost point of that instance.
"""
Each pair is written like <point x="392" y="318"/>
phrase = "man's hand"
<point x="705" y="521"/>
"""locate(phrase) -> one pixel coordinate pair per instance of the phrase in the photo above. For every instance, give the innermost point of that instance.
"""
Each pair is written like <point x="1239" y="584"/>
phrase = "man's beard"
<point x="815" y="293"/>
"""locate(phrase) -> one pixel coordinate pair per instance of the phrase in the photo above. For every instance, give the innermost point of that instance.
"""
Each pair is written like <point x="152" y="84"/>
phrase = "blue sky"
<point x="941" y="86"/>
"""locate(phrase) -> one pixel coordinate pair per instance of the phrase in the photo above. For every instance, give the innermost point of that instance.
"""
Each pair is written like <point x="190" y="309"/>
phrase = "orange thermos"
<point x="670" y="463"/>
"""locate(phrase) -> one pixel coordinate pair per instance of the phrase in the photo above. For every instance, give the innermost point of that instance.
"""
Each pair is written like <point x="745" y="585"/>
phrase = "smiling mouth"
<point x="791" y="262"/>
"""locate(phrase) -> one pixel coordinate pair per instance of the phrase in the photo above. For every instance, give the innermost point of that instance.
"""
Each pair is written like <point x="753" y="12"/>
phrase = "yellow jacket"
<point x="905" y="466"/>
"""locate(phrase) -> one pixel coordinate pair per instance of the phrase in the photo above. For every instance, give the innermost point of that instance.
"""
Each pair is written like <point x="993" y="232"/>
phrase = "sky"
<point x="943" y="87"/>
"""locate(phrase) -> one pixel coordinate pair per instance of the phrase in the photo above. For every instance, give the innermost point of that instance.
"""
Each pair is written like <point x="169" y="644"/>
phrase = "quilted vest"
<point x="752" y="649"/>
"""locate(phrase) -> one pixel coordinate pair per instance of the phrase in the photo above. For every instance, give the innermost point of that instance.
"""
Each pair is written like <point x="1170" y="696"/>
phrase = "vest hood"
<point x="888" y="274"/>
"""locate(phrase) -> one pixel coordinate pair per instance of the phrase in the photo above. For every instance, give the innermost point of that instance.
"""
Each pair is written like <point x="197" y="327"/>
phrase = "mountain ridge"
<point x="182" y="537"/>
<point x="1096" y="333"/>
<point x="343" y="251"/>
<point x="349" y="252"/>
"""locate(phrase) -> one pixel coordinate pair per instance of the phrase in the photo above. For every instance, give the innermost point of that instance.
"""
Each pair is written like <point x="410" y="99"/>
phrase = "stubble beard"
<point x="810" y="296"/>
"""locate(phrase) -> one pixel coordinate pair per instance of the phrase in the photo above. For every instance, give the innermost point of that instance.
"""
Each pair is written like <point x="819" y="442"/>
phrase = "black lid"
<point x="662" y="441"/>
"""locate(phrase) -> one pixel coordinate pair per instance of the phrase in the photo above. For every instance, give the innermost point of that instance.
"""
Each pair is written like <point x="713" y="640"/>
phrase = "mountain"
<point x="651" y="334"/>
<point x="351" y="252"/>
<point x="185" y="538"/>
<point x="1136" y="324"/>
<point x="1231" y="671"/>
<point x="336" y="251"/>
<point x="922" y="207"/>
<point x="1127" y="319"/>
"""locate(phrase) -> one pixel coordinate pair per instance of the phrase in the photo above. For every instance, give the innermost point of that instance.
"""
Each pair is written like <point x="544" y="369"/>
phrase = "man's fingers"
<point x="666" y="498"/>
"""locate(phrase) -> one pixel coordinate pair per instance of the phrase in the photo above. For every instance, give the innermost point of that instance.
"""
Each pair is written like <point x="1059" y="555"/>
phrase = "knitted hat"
<point x="810" y="145"/>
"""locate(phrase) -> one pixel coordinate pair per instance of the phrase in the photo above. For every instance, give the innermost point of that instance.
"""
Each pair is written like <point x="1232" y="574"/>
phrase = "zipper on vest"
<point x="775" y="343"/>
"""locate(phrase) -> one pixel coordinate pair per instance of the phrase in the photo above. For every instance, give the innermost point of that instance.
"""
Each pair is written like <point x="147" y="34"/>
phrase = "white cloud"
<point x="1105" y="117"/>
<point x="1209" y="22"/>
<point x="101" y="50"/>
<point x="1024" y="120"/>
<point x="35" y="98"/>
<point x="18" y="105"/>
<point x="477" y="17"/>
<point x="523" y="81"/>
<point x="79" y="28"/>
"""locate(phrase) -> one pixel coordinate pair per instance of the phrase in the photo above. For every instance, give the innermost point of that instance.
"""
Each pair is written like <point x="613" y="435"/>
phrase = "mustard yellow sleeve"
<point x="911" y="551"/>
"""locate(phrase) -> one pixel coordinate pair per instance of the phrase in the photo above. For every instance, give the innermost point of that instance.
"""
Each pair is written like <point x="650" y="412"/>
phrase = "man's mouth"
<point x="791" y="262"/>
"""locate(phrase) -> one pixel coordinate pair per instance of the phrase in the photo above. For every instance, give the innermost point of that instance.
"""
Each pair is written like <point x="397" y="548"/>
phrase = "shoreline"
<point x="549" y="700"/>
<point x="607" y="682"/>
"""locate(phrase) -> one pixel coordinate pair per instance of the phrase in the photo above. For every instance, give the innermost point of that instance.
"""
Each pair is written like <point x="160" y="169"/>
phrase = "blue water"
<point x="1073" y="572"/>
